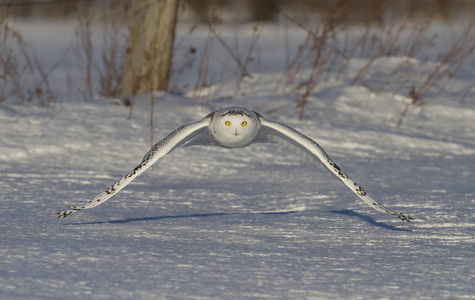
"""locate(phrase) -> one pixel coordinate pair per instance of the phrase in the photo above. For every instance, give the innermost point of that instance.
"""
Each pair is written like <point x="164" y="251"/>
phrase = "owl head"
<point x="234" y="127"/>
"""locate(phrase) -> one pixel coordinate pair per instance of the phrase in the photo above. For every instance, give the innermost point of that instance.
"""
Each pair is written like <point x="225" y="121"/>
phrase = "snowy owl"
<point x="235" y="128"/>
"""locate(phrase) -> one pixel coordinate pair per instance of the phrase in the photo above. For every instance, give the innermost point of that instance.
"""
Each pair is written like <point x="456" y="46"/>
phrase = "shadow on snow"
<point x="345" y="212"/>
<point x="367" y="219"/>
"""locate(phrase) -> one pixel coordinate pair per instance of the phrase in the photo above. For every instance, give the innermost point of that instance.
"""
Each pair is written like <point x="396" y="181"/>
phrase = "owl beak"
<point x="235" y="132"/>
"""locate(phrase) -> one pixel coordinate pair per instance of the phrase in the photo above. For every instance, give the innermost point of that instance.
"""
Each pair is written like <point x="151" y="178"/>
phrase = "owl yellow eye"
<point x="244" y="123"/>
<point x="227" y="123"/>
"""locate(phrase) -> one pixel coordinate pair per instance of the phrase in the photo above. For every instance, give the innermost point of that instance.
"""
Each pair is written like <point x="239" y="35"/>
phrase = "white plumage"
<point x="235" y="128"/>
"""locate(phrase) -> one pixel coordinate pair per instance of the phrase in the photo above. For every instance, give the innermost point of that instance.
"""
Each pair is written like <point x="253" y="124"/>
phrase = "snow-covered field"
<point x="252" y="223"/>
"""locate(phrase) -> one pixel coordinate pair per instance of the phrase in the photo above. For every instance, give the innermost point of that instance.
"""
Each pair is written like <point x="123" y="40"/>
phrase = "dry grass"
<point x="326" y="53"/>
<point x="22" y="76"/>
<point x="104" y="67"/>
<point x="433" y="83"/>
<point x="26" y="80"/>
<point x="214" y="23"/>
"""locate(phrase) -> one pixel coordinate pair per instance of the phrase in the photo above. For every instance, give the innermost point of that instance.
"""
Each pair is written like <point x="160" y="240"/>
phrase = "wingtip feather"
<point x="64" y="214"/>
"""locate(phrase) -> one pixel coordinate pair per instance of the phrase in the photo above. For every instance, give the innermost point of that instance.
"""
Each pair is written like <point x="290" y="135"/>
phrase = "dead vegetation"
<point x="22" y="76"/>
<point x="333" y="41"/>
<point x="103" y="65"/>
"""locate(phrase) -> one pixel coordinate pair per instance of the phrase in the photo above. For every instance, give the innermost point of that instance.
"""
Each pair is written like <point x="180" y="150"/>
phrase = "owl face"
<point x="234" y="127"/>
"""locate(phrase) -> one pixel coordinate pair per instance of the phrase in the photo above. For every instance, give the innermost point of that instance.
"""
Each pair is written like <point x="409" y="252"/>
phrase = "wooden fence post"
<point x="150" y="50"/>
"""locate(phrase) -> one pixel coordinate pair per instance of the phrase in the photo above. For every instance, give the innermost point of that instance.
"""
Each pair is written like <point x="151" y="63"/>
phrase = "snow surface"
<point x="252" y="223"/>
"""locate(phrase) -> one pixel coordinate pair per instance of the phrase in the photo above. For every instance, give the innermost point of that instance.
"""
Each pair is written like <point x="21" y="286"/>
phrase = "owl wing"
<point x="283" y="134"/>
<point x="194" y="133"/>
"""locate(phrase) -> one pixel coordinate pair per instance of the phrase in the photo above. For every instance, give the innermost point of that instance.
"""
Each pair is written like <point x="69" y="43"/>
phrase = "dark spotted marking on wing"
<point x="361" y="192"/>
<point x="337" y="169"/>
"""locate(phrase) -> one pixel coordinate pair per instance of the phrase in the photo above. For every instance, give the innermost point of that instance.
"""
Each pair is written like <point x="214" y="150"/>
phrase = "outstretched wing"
<point x="283" y="134"/>
<point x="182" y="136"/>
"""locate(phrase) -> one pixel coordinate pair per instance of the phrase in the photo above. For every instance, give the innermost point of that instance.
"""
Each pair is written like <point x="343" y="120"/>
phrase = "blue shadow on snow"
<point x="345" y="212"/>
<point x="368" y="219"/>
<point x="130" y="220"/>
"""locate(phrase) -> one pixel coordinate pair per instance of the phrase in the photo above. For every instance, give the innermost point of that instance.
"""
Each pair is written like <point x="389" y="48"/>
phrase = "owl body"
<point x="234" y="127"/>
